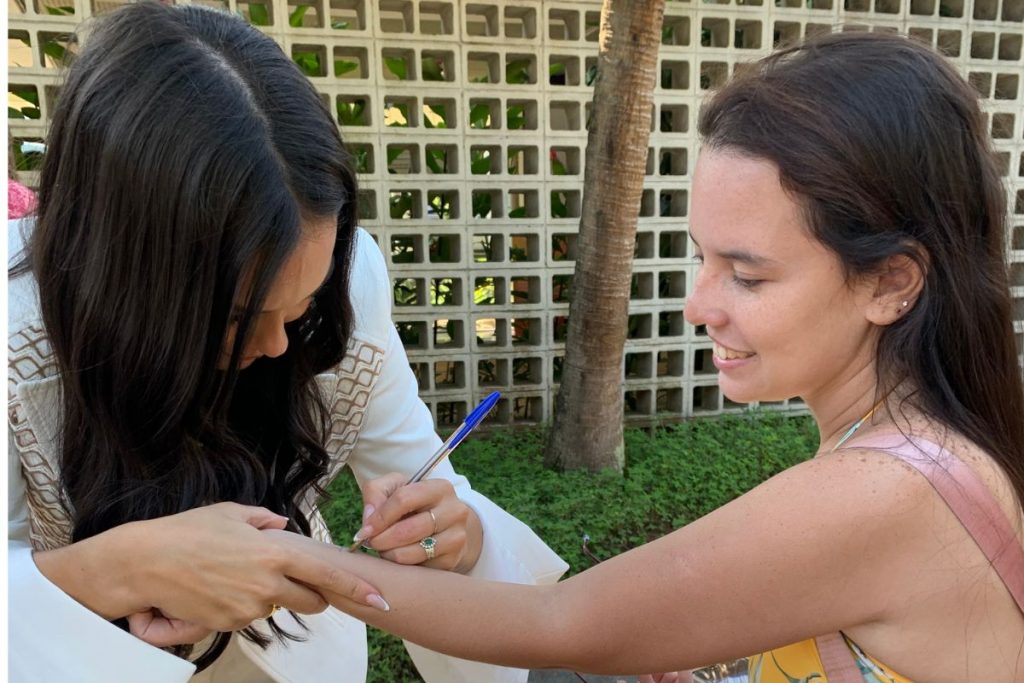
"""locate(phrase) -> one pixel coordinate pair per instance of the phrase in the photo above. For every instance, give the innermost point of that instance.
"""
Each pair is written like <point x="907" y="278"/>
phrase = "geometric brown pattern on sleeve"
<point x="30" y="358"/>
<point x="348" y="394"/>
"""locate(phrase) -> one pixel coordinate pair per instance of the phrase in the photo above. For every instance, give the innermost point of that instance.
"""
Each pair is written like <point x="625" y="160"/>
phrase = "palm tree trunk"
<point x="587" y="430"/>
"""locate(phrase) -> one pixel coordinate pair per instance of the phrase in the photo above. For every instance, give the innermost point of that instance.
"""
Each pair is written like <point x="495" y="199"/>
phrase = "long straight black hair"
<point x="887" y="147"/>
<point x="185" y="153"/>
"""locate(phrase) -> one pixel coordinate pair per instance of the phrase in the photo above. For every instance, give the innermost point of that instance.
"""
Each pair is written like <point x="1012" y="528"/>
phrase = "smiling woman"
<point x="776" y="303"/>
<point x="851" y="224"/>
<point x="199" y="342"/>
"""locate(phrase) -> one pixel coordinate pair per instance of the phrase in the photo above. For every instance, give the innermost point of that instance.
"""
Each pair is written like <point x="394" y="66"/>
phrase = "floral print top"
<point x="797" y="663"/>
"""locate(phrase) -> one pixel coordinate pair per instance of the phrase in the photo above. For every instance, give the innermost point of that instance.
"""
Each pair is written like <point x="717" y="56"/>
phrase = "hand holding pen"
<point x="415" y="520"/>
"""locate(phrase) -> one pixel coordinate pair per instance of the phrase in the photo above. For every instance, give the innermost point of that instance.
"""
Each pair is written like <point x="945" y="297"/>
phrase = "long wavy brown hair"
<point x="184" y="153"/>
<point x="887" y="147"/>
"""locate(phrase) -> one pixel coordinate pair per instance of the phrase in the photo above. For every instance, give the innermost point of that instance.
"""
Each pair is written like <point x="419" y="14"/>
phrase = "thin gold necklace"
<point x="856" y="425"/>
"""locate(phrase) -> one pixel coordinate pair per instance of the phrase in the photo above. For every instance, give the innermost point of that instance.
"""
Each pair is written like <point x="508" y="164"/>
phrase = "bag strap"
<point x="837" y="660"/>
<point x="972" y="503"/>
<point x="968" y="498"/>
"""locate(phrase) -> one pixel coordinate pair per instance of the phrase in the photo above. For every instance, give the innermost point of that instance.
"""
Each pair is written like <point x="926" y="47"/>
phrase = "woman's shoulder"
<point x="928" y="441"/>
<point x="28" y="351"/>
<point x="370" y="290"/>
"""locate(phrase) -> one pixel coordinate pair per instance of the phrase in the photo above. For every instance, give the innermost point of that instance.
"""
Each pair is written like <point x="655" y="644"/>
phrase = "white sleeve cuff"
<point x="511" y="551"/>
<point x="54" y="638"/>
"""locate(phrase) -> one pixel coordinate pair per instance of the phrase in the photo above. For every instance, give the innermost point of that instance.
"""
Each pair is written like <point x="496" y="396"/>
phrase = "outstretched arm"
<point x="758" y="573"/>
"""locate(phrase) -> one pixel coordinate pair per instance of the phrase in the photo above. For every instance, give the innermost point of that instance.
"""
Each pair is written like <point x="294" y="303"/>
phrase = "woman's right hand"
<point x="210" y="567"/>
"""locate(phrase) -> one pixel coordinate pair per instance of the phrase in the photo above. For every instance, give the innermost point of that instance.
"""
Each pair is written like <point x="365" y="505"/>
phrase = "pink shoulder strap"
<point x="971" y="502"/>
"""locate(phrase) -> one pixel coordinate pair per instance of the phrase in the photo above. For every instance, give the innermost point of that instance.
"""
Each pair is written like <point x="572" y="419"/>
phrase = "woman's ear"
<point x="896" y="289"/>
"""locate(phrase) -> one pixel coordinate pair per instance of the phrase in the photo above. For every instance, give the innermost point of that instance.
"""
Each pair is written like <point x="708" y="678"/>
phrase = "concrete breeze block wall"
<point x="468" y="124"/>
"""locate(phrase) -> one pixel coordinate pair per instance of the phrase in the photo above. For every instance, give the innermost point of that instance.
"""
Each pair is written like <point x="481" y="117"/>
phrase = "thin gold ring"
<point x="273" y="608"/>
<point x="434" y="520"/>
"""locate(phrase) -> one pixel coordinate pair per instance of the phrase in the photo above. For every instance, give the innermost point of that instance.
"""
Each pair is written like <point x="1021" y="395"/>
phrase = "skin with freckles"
<point x="767" y="288"/>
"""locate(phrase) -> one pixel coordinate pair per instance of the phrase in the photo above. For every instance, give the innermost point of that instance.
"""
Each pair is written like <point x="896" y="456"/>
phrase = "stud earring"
<point x="905" y="303"/>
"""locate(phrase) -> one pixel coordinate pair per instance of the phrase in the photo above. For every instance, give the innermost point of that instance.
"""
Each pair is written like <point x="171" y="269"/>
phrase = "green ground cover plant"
<point x="673" y="475"/>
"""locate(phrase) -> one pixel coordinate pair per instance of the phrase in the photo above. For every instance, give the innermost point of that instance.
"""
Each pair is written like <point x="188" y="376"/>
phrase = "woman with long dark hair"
<point x="200" y="340"/>
<point x="850" y="225"/>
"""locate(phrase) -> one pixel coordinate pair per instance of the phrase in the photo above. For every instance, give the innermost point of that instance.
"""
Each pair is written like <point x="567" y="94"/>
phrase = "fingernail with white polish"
<point x="367" y="511"/>
<point x="378" y="602"/>
<point x="362" y="534"/>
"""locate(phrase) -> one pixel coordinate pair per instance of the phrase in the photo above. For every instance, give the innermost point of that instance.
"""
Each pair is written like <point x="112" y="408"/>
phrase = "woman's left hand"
<point x="399" y="521"/>
<point x="162" y="631"/>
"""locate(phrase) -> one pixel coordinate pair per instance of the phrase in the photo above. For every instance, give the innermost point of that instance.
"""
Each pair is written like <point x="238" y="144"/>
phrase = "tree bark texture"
<point x="587" y="430"/>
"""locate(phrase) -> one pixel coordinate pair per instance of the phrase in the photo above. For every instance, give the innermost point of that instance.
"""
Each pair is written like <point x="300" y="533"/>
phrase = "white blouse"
<point x="378" y="425"/>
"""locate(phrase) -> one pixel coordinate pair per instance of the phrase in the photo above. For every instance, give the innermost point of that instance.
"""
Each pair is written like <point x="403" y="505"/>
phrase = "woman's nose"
<point x="272" y="339"/>
<point x="700" y="307"/>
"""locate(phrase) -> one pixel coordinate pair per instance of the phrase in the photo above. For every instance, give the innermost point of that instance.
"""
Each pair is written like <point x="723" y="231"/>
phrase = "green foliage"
<point x="350" y="113"/>
<point x="344" y="66"/>
<point x="441" y="114"/>
<point x="56" y="48"/>
<point x="26" y="160"/>
<point x="480" y="116"/>
<point x="297" y="15"/>
<point x="30" y="96"/>
<point x="259" y="15"/>
<point x="673" y="476"/>
<point x="516" y="117"/>
<point x="397" y="66"/>
<point x="309" y="62"/>
<point x="433" y="69"/>
<point x="559" y="209"/>
<point x="517" y="72"/>
<point x="557" y="167"/>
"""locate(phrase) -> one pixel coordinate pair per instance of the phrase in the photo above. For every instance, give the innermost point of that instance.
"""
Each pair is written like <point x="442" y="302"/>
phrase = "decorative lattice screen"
<point x="468" y="122"/>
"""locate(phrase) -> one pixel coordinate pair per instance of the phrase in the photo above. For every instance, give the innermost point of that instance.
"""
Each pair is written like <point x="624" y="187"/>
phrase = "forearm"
<point x="476" y="614"/>
<point x="96" y="573"/>
<point x="42" y="614"/>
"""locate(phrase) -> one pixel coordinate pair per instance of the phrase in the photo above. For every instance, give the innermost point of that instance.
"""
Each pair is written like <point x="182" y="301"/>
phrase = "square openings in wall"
<point x="520" y="22"/>
<point x="304" y="15"/>
<point x="437" y="18"/>
<point x="483" y="67"/>
<point x="346" y="15"/>
<point x="350" y="62"/>
<point x="675" y="74"/>
<point x="675" y="30"/>
<point x="522" y="160"/>
<point x="437" y="65"/>
<point x="481" y="20"/>
<point x="398" y="64"/>
<point x="563" y="70"/>
<point x="565" y="115"/>
<point x="353" y="110"/>
<point x="439" y="113"/>
<point x="396" y="16"/>
<point x="565" y="160"/>
<point x="563" y="24"/>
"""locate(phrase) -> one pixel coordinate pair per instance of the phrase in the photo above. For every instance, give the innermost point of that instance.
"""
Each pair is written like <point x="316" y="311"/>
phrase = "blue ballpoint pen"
<point x="468" y="425"/>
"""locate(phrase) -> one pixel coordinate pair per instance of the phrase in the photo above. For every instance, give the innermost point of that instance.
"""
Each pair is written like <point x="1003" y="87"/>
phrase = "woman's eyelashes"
<point x="746" y="282"/>
<point x="739" y="280"/>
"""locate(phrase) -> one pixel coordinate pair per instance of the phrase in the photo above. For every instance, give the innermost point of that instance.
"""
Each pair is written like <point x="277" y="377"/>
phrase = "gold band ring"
<point x="273" y="608"/>
<point x="434" y="520"/>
